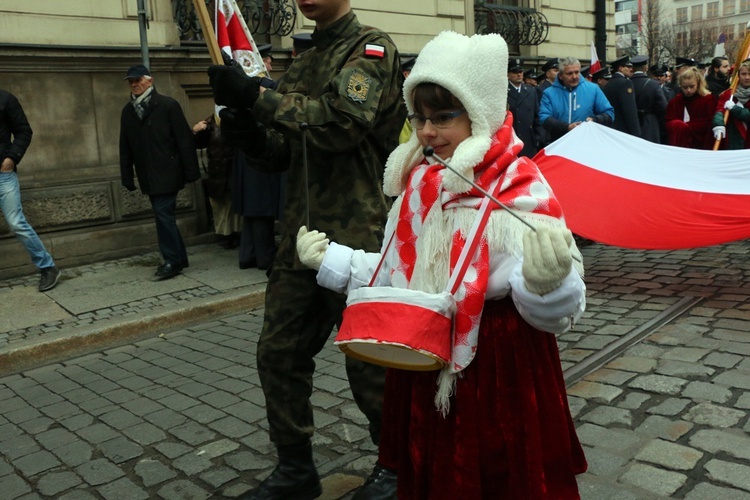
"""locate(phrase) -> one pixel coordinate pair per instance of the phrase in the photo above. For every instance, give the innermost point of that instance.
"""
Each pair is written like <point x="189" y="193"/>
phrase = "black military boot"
<point x="381" y="485"/>
<point x="295" y="478"/>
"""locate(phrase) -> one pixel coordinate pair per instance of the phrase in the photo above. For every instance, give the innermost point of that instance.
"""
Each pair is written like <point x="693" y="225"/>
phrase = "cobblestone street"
<point x="180" y="415"/>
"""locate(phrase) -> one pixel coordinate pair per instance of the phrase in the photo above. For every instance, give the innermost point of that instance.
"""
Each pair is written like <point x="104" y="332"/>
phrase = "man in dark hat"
<point x="549" y="70"/>
<point x="649" y="99"/>
<point x="407" y="65"/>
<point x="601" y="77"/>
<point x="301" y="42"/>
<point x="717" y="78"/>
<point x="523" y="104"/>
<point x="621" y="96"/>
<point x="681" y="64"/>
<point x="585" y="72"/>
<point x="156" y="138"/>
<point x="529" y="78"/>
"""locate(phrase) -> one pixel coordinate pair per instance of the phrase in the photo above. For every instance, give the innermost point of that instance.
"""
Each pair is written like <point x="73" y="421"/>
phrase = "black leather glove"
<point x="232" y="87"/>
<point x="240" y="130"/>
<point x="129" y="187"/>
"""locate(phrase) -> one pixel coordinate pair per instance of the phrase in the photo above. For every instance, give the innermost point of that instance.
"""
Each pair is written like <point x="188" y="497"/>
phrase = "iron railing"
<point x="517" y="25"/>
<point x="263" y="17"/>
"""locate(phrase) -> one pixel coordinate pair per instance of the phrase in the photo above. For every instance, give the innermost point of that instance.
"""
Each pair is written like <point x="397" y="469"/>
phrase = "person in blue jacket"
<point x="571" y="100"/>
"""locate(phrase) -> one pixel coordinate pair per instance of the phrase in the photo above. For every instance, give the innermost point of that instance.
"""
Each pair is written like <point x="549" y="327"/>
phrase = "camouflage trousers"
<point x="299" y="318"/>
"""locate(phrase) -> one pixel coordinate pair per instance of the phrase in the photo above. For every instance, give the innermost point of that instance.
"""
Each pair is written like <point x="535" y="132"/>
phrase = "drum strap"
<point x="464" y="259"/>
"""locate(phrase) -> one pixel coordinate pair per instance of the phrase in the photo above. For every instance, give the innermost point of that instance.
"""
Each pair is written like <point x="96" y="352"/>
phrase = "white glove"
<point x="720" y="131"/>
<point x="546" y="258"/>
<point x="730" y="104"/>
<point x="311" y="247"/>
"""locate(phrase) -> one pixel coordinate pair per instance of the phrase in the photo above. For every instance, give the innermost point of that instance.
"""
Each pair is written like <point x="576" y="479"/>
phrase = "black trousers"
<point x="257" y="243"/>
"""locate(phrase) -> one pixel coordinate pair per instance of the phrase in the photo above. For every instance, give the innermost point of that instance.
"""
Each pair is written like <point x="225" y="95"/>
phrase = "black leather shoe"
<point x="381" y="485"/>
<point x="295" y="478"/>
<point x="166" y="271"/>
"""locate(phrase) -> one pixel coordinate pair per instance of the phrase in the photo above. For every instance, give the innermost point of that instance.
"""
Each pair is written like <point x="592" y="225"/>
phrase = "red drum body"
<point x="398" y="328"/>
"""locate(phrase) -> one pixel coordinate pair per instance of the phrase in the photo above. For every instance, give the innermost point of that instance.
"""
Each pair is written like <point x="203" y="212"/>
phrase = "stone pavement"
<point x="179" y="413"/>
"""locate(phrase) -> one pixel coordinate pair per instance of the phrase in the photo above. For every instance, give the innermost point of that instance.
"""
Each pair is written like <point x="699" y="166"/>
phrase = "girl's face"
<point x="453" y="126"/>
<point x="689" y="87"/>
<point x="745" y="77"/>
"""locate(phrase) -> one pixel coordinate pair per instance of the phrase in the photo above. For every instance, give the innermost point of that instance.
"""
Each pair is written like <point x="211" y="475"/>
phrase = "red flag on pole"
<point x="595" y="64"/>
<point x="235" y="39"/>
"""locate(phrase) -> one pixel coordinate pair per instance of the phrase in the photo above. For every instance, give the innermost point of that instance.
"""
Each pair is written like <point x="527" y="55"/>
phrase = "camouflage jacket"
<point x="347" y="88"/>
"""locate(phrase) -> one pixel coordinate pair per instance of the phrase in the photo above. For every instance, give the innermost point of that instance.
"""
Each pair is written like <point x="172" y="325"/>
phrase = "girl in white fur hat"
<point x="494" y="422"/>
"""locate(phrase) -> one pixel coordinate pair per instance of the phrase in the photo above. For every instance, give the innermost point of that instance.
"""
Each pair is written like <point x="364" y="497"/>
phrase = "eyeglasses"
<point x="443" y="119"/>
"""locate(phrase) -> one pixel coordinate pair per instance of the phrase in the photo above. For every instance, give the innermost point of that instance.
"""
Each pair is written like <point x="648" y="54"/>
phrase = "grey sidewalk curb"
<point x="114" y="332"/>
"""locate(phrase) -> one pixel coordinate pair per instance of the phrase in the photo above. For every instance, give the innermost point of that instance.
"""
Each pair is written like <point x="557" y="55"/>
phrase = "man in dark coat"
<point x="550" y="69"/>
<point x="621" y="96"/>
<point x="649" y="99"/>
<point x="717" y="78"/>
<point x="523" y="104"/>
<point x="155" y="138"/>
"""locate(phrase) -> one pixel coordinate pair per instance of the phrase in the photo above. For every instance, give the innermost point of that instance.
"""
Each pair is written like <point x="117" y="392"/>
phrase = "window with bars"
<point x="728" y="30"/>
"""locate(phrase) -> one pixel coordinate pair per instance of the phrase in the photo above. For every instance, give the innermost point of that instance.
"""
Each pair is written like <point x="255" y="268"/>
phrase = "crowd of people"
<point x="689" y="105"/>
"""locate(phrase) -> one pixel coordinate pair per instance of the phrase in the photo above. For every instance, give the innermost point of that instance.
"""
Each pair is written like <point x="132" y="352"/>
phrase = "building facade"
<point x="65" y="61"/>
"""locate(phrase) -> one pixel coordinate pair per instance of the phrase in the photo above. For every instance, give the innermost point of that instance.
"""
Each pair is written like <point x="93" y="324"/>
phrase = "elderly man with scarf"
<point x="155" y="138"/>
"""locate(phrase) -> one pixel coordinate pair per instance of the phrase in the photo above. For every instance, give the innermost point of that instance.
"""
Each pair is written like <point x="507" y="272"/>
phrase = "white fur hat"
<point x="474" y="70"/>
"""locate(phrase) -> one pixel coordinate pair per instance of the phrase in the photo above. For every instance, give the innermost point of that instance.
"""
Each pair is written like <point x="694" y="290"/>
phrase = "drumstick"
<point x="429" y="151"/>
<point x="303" y="127"/>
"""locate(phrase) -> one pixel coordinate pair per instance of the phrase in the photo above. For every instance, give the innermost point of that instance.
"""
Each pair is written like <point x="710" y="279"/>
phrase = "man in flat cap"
<point x="621" y="96"/>
<point x="525" y="108"/>
<point x="649" y="99"/>
<point x="157" y="140"/>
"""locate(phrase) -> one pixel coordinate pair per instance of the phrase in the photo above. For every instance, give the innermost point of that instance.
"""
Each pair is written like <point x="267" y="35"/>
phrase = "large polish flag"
<point x="234" y="38"/>
<point x="628" y="192"/>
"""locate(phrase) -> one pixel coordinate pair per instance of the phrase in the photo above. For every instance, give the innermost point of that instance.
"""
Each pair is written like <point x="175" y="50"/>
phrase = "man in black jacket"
<point x="717" y="78"/>
<point x="523" y="104"/>
<point x="621" y="96"/>
<point x="651" y="102"/>
<point x="155" y="138"/>
<point x="13" y="123"/>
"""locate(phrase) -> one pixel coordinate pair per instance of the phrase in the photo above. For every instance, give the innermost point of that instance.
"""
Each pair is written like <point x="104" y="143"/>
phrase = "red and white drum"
<point x="398" y="328"/>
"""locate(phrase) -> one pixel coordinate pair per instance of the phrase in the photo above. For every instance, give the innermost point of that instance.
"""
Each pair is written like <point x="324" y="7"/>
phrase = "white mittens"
<point x="546" y="258"/>
<point x="720" y="131"/>
<point x="311" y="247"/>
<point x="730" y="104"/>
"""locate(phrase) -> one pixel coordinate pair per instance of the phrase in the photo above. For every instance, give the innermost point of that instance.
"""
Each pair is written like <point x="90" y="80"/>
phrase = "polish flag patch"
<point x="375" y="50"/>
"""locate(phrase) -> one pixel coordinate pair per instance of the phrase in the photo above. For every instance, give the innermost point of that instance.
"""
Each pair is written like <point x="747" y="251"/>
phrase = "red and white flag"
<point x="235" y="39"/>
<point x="624" y="191"/>
<point x="595" y="64"/>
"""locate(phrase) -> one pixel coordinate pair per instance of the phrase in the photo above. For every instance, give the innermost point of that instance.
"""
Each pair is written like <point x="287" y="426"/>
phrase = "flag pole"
<point x="742" y="54"/>
<point x="208" y="31"/>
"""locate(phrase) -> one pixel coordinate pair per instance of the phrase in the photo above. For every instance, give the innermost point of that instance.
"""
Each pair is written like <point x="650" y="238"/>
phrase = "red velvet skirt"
<point x="509" y="433"/>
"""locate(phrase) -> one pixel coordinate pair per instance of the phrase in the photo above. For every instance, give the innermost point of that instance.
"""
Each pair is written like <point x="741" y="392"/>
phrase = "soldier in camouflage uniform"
<point x="347" y="89"/>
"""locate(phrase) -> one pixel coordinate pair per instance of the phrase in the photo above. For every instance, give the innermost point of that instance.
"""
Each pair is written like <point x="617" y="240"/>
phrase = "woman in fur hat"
<point x="494" y="422"/>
